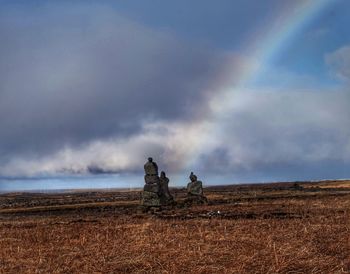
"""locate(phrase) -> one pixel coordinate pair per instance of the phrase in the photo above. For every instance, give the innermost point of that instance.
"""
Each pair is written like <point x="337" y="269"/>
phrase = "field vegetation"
<point x="267" y="228"/>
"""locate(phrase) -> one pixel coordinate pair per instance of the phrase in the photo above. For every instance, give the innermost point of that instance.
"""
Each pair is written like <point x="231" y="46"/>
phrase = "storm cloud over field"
<point x="71" y="77"/>
<point x="91" y="88"/>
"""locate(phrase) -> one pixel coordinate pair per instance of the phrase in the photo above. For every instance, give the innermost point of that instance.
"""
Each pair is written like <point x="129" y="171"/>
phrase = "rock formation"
<point x="150" y="195"/>
<point x="156" y="190"/>
<point x="164" y="193"/>
<point x="195" y="190"/>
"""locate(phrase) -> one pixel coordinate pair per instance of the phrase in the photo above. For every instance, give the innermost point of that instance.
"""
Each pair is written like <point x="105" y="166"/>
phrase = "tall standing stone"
<point x="165" y="196"/>
<point x="156" y="190"/>
<point x="150" y="195"/>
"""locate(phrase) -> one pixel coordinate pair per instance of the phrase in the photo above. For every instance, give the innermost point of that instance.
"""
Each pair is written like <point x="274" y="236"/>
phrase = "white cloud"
<point x="339" y="62"/>
<point x="170" y="143"/>
<point x="270" y="127"/>
<point x="263" y="129"/>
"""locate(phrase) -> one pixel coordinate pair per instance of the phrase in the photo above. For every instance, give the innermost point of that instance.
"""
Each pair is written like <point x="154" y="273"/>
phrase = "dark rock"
<point x="151" y="188"/>
<point x="195" y="191"/>
<point x="150" y="199"/>
<point x="151" y="167"/>
<point x="151" y="179"/>
<point x="156" y="190"/>
<point x="164" y="193"/>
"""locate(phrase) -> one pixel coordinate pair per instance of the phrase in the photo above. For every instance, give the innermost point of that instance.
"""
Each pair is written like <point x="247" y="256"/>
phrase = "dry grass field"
<point x="270" y="228"/>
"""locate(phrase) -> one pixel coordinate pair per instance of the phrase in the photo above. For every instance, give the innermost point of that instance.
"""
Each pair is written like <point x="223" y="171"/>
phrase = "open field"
<point x="267" y="228"/>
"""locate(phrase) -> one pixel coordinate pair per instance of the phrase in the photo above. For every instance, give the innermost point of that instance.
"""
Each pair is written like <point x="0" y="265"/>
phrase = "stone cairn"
<point x="156" y="191"/>
<point x="195" y="191"/>
<point x="165" y="196"/>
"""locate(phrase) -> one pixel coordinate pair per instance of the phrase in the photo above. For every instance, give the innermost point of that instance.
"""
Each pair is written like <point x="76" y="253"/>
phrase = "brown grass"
<point x="296" y="234"/>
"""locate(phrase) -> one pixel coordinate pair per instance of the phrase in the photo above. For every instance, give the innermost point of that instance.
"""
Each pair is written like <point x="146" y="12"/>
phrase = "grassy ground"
<point x="271" y="228"/>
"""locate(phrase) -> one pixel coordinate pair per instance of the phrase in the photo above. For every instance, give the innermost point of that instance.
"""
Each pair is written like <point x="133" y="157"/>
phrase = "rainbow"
<point x="262" y="50"/>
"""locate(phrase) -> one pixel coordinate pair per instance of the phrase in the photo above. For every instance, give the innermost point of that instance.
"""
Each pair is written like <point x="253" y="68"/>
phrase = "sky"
<point x="236" y="91"/>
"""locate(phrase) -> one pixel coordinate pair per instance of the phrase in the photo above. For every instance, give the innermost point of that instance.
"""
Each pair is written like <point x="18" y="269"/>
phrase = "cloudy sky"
<point x="237" y="91"/>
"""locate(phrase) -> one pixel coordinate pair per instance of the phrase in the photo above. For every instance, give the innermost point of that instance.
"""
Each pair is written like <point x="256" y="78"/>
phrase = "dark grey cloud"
<point x="72" y="75"/>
